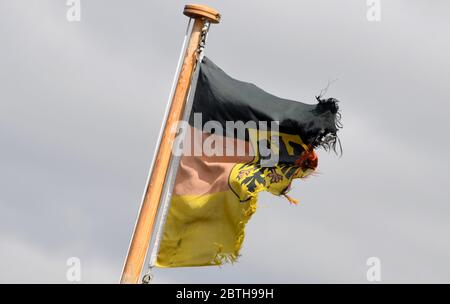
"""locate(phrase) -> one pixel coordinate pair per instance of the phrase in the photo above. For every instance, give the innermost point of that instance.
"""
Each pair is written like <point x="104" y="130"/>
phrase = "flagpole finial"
<point x="202" y="11"/>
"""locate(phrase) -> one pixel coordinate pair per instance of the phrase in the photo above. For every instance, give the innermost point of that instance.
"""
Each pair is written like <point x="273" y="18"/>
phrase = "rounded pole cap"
<point x="202" y="11"/>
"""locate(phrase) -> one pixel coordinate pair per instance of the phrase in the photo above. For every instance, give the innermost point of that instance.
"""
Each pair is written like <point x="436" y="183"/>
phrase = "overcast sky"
<point x="81" y="104"/>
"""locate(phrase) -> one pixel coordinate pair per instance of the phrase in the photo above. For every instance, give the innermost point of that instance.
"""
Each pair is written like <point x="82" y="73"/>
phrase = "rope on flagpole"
<point x="172" y="91"/>
<point x="166" y="114"/>
<point x="173" y="168"/>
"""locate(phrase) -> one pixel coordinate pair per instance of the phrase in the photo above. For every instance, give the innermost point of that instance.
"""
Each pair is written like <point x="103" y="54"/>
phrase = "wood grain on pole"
<point x="146" y="219"/>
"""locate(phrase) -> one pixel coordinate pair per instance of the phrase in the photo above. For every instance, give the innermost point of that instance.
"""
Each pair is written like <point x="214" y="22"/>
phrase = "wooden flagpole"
<point x="146" y="219"/>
